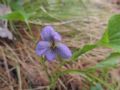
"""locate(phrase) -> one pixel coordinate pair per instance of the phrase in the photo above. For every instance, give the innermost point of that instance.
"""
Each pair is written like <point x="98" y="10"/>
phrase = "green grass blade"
<point x="83" y="50"/>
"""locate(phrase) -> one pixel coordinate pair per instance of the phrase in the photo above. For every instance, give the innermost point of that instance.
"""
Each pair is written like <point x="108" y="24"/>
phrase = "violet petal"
<point x="42" y="47"/>
<point x="50" y="55"/>
<point x="47" y="32"/>
<point x="63" y="51"/>
<point x="56" y="36"/>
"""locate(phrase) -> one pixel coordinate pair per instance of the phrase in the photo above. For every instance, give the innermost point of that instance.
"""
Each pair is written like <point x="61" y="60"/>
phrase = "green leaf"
<point x="97" y="87"/>
<point x="110" y="61"/>
<point x="16" y="4"/>
<point x="114" y="32"/>
<point x="83" y="50"/>
<point x="111" y="38"/>
<point x="16" y="16"/>
<point x="105" y="39"/>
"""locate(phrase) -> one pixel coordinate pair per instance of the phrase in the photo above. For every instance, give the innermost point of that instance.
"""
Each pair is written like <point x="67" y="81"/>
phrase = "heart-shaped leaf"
<point x="111" y="37"/>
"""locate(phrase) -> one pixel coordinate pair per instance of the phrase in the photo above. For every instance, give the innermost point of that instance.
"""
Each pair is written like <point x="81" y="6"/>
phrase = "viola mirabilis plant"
<point x="50" y="46"/>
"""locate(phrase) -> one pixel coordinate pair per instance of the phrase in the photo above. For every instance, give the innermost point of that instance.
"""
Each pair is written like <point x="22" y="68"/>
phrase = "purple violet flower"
<point x="51" y="45"/>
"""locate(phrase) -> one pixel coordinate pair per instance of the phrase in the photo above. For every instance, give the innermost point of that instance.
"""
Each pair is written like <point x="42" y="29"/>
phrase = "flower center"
<point x="53" y="45"/>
